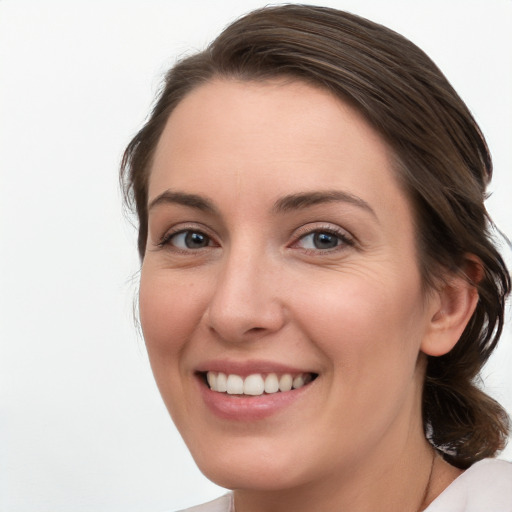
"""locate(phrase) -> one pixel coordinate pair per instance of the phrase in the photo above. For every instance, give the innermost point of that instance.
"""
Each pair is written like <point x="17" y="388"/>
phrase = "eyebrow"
<point x="307" y="199"/>
<point x="284" y="204"/>
<point x="190" y="200"/>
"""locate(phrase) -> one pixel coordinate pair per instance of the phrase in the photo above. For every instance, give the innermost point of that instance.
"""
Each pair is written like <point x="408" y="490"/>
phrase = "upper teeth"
<point x="255" y="384"/>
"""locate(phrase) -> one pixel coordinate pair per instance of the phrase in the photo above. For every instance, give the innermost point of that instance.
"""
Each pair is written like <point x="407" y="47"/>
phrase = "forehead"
<point x="296" y="136"/>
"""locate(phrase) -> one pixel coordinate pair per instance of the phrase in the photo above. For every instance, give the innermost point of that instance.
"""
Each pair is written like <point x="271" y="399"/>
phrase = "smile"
<point x="256" y="384"/>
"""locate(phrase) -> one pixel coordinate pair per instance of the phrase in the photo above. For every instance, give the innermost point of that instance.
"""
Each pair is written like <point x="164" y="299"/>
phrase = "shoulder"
<point x="222" y="504"/>
<point x="485" y="486"/>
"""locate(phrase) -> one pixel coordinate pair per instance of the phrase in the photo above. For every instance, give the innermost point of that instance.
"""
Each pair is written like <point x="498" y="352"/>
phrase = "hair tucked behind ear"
<point x="442" y="161"/>
<point x="461" y="420"/>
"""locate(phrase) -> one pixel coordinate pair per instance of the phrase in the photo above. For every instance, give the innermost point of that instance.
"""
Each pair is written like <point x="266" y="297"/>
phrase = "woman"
<point x="319" y="289"/>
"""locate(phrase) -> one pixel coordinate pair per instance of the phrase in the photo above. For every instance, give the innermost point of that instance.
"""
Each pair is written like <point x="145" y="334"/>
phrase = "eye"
<point x="323" y="240"/>
<point x="187" y="240"/>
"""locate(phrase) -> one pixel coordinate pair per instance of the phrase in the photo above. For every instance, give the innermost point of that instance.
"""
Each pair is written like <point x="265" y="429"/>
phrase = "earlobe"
<point x="452" y="306"/>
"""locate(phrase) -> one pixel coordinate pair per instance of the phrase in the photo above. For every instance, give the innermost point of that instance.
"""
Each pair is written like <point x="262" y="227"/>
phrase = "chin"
<point x="252" y="477"/>
<point x="252" y="467"/>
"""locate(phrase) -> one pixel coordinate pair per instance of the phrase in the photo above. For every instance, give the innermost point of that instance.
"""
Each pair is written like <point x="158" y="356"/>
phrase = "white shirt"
<point x="485" y="487"/>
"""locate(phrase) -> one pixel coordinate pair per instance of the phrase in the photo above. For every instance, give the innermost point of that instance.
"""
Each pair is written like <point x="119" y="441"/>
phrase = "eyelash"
<point x="343" y="238"/>
<point x="167" y="238"/>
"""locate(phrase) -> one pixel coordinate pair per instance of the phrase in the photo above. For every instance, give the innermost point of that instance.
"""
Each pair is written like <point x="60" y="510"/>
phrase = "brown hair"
<point x="442" y="161"/>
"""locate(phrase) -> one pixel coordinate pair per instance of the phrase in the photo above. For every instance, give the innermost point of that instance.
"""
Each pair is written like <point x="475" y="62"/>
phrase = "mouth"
<point x="255" y="384"/>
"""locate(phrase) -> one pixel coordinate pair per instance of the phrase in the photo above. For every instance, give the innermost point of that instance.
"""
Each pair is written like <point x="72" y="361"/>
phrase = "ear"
<point x="451" y="307"/>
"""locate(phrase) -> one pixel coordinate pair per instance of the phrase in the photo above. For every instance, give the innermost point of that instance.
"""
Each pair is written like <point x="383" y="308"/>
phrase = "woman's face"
<point x="281" y="248"/>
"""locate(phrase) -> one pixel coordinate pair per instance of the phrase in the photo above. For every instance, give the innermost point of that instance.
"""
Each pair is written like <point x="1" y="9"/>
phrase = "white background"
<point x="82" y="427"/>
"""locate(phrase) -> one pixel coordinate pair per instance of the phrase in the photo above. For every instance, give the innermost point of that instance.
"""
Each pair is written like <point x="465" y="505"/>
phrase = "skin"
<point x="260" y="289"/>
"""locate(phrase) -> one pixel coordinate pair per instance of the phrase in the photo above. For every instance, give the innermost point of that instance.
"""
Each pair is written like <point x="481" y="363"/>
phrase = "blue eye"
<point x="322" y="241"/>
<point x="188" y="240"/>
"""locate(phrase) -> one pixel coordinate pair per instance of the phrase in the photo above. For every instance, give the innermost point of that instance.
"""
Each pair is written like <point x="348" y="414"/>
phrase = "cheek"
<point x="170" y="310"/>
<point x="370" y="332"/>
<point x="366" y="323"/>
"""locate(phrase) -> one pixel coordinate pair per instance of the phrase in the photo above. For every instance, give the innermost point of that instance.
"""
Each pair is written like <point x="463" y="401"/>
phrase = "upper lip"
<point x="245" y="368"/>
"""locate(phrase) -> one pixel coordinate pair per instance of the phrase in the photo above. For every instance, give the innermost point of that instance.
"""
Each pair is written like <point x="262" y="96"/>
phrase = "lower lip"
<point x="249" y="408"/>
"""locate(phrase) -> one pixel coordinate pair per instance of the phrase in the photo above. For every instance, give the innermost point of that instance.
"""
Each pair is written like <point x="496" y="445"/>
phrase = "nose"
<point x="246" y="303"/>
